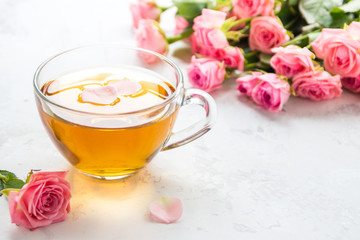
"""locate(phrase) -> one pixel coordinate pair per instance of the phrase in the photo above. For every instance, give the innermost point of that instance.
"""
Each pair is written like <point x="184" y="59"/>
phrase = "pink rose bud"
<point x="318" y="85"/>
<point x="42" y="201"/>
<point x="126" y="87"/>
<point x="251" y="8"/>
<point x="100" y="95"/>
<point x="247" y="83"/>
<point x="351" y="83"/>
<point x="205" y="73"/>
<point x="340" y="50"/>
<point x="150" y="36"/>
<point x="207" y="38"/>
<point x="232" y="57"/>
<point x="292" y="60"/>
<point x="180" y="25"/>
<point x="266" y="33"/>
<point x="144" y="9"/>
<point x="166" y="210"/>
<point x="271" y="93"/>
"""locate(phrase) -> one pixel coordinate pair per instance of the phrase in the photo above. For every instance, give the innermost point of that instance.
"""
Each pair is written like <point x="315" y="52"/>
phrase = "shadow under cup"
<point x="116" y="145"/>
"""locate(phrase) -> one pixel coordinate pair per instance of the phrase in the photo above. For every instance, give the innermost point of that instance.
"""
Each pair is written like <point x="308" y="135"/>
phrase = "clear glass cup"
<point x="117" y="145"/>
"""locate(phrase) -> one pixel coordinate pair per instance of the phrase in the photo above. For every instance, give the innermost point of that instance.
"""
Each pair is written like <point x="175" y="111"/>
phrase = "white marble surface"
<point x="255" y="176"/>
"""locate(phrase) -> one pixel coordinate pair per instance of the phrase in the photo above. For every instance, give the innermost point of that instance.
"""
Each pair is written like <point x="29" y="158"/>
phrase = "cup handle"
<point x="196" y="130"/>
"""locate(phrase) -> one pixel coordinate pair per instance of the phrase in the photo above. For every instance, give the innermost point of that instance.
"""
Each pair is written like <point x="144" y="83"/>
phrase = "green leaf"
<point x="318" y="11"/>
<point x="14" y="183"/>
<point x="293" y="2"/>
<point x="7" y="191"/>
<point x="9" y="180"/>
<point x="10" y="175"/>
<point x="351" y="7"/>
<point x="339" y="18"/>
<point x="5" y="176"/>
<point x="190" y="9"/>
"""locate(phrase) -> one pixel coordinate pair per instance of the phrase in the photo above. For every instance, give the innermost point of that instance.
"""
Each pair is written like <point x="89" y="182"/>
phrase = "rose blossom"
<point x="180" y="25"/>
<point x="318" y="85"/>
<point x="42" y="201"/>
<point x="207" y="37"/>
<point x="247" y="83"/>
<point x="266" y="33"/>
<point x="251" y="8"/>
<point x="340" y="50"/>
<point x="351" y="83"/>
<point x="205" y="73"/>
<point x="150" y="36"/>
<point x="232" y="57"/>
<point x="271" y="93"/>
<point x="292" y="60"/>
<point x="144" y="9"/>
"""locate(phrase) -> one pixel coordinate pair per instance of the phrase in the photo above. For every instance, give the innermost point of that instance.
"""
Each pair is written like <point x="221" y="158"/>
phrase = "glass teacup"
<point x="104" y="141"/>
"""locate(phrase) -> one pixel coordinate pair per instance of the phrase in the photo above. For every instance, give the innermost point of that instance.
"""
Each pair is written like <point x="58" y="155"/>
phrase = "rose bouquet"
<point x="273" y="48"/>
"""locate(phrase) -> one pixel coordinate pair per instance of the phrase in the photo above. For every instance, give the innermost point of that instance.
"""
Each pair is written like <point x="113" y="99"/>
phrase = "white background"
<point x="288" y="176"/>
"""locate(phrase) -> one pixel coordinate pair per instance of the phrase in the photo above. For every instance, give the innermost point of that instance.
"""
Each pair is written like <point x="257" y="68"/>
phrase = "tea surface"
<point x="68" y="88"/>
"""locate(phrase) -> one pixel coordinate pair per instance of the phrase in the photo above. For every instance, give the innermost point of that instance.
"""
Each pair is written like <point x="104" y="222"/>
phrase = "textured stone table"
<point x="294" y="175"/>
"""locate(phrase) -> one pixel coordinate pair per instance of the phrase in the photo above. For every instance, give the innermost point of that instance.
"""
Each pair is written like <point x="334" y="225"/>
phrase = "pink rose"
<point x="42" y="201"/>
<point x="247" y="83"/>
<point x="144" y="9"/>
<point x="292" y="60"/>
<point x="209" y="19"/>
<point x="205" y="73"/>
<point x="271" y="93"/>
<point x="207" y="37"/>
<point x="318" y="85"/>
<point x="232" y="57"/>
<point x="340" y="50"/>
<point x="266" y="33"/>
<point x="180" y="25"/>
<point x="327" y="34"/>
<point x="251" y="8"/>
<point x="351" y="83"/>
<point x="150" y="36"/>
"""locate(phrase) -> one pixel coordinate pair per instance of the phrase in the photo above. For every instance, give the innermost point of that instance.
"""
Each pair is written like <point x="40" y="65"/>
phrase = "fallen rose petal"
<point x="126" y="87"/>
<point x="100" y="95"/>
<point x="166" y="210"/>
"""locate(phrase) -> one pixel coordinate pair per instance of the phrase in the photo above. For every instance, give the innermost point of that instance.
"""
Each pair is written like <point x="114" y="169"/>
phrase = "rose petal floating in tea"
<point x="126" y="87"/>
<point x="166" y="210"/>
<point x="99" y="95"/>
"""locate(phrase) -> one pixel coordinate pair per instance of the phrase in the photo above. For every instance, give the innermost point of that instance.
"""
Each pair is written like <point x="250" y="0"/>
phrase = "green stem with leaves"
<point x="299" y="38"/>
<point x="249" y="66"/>
<point x="181" y="36"/>
<point x="241" y="21"/>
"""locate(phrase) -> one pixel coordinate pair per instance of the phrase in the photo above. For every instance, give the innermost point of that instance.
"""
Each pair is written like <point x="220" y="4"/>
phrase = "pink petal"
<point x="37" y="176"/>
<point x="166" y="210"/>
<point x="100" y="95"/>
<point x="126" y="87"/>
